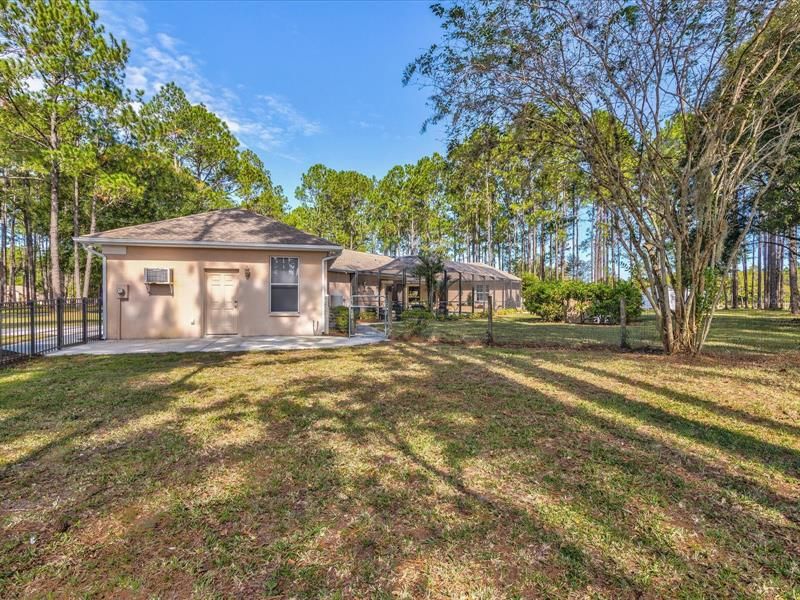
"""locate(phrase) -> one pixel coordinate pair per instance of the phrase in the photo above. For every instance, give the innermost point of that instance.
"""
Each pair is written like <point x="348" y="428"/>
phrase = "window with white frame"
<point x="284" y="284"/>
<point x="481" y="292"/>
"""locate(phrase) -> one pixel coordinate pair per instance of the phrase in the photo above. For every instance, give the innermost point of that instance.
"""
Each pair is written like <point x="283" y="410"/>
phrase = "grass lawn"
<point x="740" y="331"/>
<point x="401" y="470"/>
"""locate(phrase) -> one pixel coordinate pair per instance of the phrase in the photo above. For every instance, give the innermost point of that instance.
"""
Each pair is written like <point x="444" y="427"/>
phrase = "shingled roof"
<point x="233" y="227"/>
<point x="352" y="261"/>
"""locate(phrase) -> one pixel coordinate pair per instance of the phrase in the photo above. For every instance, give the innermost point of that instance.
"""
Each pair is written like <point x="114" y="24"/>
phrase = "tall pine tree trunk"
<point x="541" y="253"/>
<point x="92" y="227"/>
<point x="794" y="290"/>
<point x="489" y="232"/>
<point x="3" y="254"/>
<point x="773" y="277"/>
<point x="13" y="259"/>
<point x="30" y="256"/>
<point x="760" y="294"/>
<point x="47" y="288"/>
<point x="744" y="275"/>
<point x="779" y="246"/>
<point x="55" y="265"/>
<point x="76" y="232"/>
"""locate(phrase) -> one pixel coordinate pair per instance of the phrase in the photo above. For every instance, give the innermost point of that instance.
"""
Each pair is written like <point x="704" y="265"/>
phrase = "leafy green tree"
<point x="254" y="187"/>
<point x="409" y="210"/>
<point x="56" y="65"/>
<point x="335" y="205"/>
<point x="196" y="140"/>
<point x="692" y="86"/>
<point x="107" y="190"/>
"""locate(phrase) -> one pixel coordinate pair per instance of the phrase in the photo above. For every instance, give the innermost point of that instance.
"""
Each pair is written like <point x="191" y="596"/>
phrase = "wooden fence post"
<point x="490" y="328"/>
<point x="623" y="325"/>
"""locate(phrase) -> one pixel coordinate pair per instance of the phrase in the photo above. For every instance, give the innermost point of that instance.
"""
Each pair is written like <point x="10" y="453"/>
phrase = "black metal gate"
<point x="37" y="327"/>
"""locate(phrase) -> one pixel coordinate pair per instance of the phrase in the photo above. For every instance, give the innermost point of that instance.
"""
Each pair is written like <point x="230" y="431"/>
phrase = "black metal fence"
<point x="37" y="327"/>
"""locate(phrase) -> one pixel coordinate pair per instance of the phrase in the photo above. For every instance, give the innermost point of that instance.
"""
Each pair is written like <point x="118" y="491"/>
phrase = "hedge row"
<point x="558" y="300"/>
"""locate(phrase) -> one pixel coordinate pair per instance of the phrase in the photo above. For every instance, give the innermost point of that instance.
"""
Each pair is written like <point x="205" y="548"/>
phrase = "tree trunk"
<point x="759" y="294"/>
<point x="779" y="267"/>
<point x="735" y="286"/>
<point x="3" y="254"/>
<point x="576" y="258"/>
<point x="725" y="292"/>
<point x="489" y="232"/>
<point x="30" y="257"/>
<point x="744" y="274"/>
<point x="667" y="333"/>
<point x="794" y="290"/>
<point x="92" y="226"/>
<point x="55" y="265"/>
<point x="773" y="277"/>
<point x="541" y="253"/>
<point x="47" y="289"/>
<point x="76" y="231"/>
<point x="13" y="261"/>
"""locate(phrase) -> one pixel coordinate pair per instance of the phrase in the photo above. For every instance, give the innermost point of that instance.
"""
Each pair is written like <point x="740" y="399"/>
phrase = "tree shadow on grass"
<point x="769" y="455"/>
<point x="86" y="394"/>
<point x="457" y="442"/>
<point x="690" y="399"/>
<point x="786" y="460"/>
<point x="407" y="469"/>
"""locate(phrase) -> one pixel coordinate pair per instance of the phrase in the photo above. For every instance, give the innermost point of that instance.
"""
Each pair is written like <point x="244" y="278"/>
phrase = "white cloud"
<point x="137" y="78"/>
<point x="279" y="108"/>
<point x="167" y="41"/>
<point x="268" y="123"/>
<point x="234" y="126"/>
<point x="123" y="19"/>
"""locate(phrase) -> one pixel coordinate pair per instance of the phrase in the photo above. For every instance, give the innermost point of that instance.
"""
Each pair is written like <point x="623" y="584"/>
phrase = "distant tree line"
<point x="506" y="196"/>
<point x="682" y="117"/>
<point x="79" y="152"/>
<point x="595" y="141"/>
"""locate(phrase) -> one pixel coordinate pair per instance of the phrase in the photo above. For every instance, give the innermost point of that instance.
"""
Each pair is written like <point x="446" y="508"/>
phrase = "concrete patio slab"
<point x="365" y="335"/>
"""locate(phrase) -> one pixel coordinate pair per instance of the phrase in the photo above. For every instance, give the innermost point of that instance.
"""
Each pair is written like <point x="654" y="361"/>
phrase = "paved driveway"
<point x="365" y="335"/>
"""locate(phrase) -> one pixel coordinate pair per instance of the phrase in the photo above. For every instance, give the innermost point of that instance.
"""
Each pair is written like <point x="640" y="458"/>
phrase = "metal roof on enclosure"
<point x="406" y="264"/>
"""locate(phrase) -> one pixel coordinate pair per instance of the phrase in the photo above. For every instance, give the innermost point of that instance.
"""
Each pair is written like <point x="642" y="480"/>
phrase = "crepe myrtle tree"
<point x="670" y="106"/>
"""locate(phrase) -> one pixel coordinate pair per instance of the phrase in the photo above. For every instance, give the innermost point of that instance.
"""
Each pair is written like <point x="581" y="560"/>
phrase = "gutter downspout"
<point x="94" y="252"/>
<point x="325" y="259"/>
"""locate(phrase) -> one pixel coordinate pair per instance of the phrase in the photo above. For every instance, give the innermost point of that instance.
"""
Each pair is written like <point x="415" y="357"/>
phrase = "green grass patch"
<point x="732" y="332"/>
<point x="401" y="470"/>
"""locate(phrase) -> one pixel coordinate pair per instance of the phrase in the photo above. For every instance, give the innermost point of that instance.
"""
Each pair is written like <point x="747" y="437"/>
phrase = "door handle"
<point x="236" y="303"/>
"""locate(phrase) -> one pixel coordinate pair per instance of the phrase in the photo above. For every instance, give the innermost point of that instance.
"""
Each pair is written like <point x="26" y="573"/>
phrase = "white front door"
<point x="222" y="306"/>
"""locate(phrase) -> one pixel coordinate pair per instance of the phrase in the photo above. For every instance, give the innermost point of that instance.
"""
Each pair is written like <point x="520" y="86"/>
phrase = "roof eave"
<point x="204" y="244"/>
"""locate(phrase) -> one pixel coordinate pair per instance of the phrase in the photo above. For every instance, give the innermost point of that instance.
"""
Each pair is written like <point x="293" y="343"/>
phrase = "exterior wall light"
<point x="247" y="272"/>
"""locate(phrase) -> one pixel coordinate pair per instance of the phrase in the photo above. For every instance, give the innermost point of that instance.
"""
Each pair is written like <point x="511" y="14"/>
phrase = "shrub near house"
<point x="572" y="300"/>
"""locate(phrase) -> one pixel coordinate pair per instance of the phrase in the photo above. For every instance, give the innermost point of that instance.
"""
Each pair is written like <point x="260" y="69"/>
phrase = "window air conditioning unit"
<point x="158" y="276"/>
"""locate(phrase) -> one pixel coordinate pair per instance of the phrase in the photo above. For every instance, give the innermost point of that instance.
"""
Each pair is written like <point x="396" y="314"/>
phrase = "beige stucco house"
<point x="225" y="272"/>
<point x="235" y="272"/>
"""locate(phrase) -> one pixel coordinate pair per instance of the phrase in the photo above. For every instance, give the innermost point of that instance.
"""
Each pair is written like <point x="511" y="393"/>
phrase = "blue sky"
<point x="298" y="82"/>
